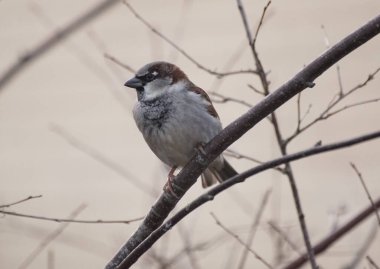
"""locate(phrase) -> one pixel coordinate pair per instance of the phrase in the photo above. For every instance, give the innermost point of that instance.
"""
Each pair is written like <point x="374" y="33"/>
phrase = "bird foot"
<point x="168" y="186"/>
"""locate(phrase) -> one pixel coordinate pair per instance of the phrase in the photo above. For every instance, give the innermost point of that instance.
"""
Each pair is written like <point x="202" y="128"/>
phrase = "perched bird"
<point x="176" y="118"/>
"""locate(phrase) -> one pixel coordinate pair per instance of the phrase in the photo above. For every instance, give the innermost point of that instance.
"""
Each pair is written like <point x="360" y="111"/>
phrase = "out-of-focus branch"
<point x="284" y="236"/>
<point x="99" y="157"/>
<point x="372" y="262"/>
<point x="363" y="248"/>
<point x="69" y="220"/>
<point x="335" y="236"/>
<point x="247" y="247"/>
<point x="134" y="247"/>
<point x="183" y="52"/>
<point x="53" y="40"/>
<point x="50" y="238"/>
<point x="253" y="229"/>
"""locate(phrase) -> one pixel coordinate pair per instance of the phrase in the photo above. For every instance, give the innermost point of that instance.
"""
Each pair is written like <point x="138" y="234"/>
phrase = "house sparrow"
<point x="176" y="118"/>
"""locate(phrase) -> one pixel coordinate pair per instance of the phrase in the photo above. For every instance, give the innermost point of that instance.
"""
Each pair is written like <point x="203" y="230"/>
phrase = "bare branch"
<point x="229" y="64"/>
<point x="53" y="40"/>
<point x="210" y="195"/>
<point x="50" y="259"/>
<point x="337" y="98"/>
<point x="181" y="26"/>
<point x="298" y="111"/>
<point x="70" y="220"/>
<point x="281" y="143"/>
<point x="284" y="236"/>
<point x="50" y="238"/>
<point x="335" y="236"/>
<point x="261" y="21"/>
<point x="134" y="247"/>
<point x="225" y="99"/>
<point x="327" y="42"/>
<point x="185" y="236"/>
<point x="372" y="263"/>
<point x="257" y="256"/>
<point x="252" y="232"/>
<point x="366" y="190"/>
<point x="183" y="52"/>
<point x="237" y="155"/>
<point x="21" y="201"/>
<point x="350" y="106"/>
<point x="362" y="249"/>
<point x="256" y="90"/>
<point x="245" y="22"/>
<point x="119" y="63"/>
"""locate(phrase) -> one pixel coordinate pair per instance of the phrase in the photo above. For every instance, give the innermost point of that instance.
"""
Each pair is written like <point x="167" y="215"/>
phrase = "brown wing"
<point x="210" y="107"/>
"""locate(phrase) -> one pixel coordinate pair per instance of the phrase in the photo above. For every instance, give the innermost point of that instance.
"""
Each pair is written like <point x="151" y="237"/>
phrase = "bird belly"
<point x="176" y="140"/>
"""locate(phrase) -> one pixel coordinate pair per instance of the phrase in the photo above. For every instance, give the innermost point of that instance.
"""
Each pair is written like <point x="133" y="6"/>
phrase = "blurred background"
<point x="67" y="132"/>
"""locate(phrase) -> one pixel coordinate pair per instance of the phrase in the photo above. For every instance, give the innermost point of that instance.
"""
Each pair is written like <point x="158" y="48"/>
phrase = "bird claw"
<point x="168" y="187"/>
<point x="200" y="148"/>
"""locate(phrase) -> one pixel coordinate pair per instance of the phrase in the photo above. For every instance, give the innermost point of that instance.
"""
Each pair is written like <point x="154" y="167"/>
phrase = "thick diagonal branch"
<point x="210" y="195"/>
<point x="188" y="175"/>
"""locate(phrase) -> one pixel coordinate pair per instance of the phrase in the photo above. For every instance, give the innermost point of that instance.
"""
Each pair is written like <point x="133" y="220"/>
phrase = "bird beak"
<point x="134" y="83"/>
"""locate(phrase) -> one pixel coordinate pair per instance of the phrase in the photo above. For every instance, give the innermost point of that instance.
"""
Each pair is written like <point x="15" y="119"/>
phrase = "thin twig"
<point x="301" y="118"/>
<point x="181" y="27"/>
<point x="339" y="75"/>
<point x="237" y="155"/>
<point x="255" y="89"/>
<point x="331" y="238"/>
<point x="284" y="237"/>
<point x="229" y="64"/>
<point x="50" y="238"/>
<point x="298" y="111"/>
<point x="21" y="201"/>
<point x="183" y="52"/>
<point x="362" y="249"/>
<point x="119" y="63"/>
<point x="366" y="190"/>
<point x="350" y="106"/>
<point x="257" y="256"/>
<point x="216" y="241"/>
<point x="224" y="99"/>
<point x="372" y="262"/>
<point x="261" y="21"/>
<point x="186" y="238"/>
<point x="70" y="220"/>
<point x="50" y="259"/>
<point x="337" y="98"/>
<point x="253" y="229"/>
<point x="245" y="22"/>
<point x="53" y="40"/>
<point x="339" y="80"/>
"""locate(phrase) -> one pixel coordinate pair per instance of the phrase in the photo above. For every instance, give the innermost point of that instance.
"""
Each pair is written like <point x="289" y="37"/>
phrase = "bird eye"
<point x="149" y="77"/>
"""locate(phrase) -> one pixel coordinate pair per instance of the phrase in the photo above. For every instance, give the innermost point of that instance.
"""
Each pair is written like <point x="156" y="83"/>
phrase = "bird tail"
<point x="213" y="175"/>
